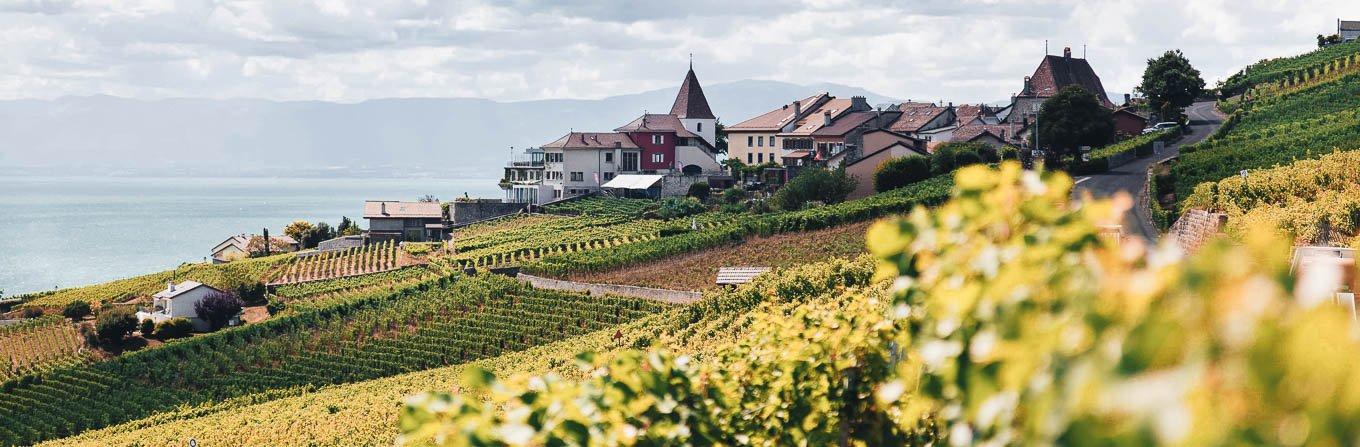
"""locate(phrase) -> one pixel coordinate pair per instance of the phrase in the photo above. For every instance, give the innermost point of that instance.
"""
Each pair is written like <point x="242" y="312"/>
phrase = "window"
<point x="608" y="176"/>
<point x="748" y="158"/>
<point x="630" y="161"/>
<point x="552" y="157"/>
<point x="608" y="157"/>
<point x="760" y="141"/>
<point x="772" y="159"/>
<point x="578" y="176"/>
<point x="557" y="193"/>
<point x="698" y="127"/>
<point x="750" y="141"/>
<point x="760" y="158"/>
<point x="658" y="158"/>
<point x="658" y="139"/>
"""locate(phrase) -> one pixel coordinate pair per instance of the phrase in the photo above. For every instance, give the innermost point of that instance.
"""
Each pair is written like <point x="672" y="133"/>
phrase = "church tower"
<point x="692" y="108"/>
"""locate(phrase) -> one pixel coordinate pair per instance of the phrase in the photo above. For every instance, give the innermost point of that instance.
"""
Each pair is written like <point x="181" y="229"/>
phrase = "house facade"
<point x="523" y="179"/>
<point x="1349" y="30"/>
<point x="863" y="168"/>
<point x="391" y="220"/>
<point x="178" y="301"/>
<point x="754" y="141"/>
<point x="1054" y="74"/>
<point x="242" y="246"/>
<point x="1128" y="123"/>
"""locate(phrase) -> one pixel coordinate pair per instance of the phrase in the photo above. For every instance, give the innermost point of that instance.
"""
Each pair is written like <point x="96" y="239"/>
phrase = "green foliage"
<point x="899" y="172"/>
<point x="733" y="195"/>
<point x="173" y="328"/>
<point x="31" y="312"/>
<point x="675" y="207"/>
<point x="349" y="228"/>
<point x="957" y="154"/>
<point x="353" y="338"/>
<point x="147" y="327"/>
<point x="814" y="185"/>
<point x="699" y="190"/>
<point x="1171" y="84"/>
<point x="36" y="345"/>
<point x="222" y="276"/>
<point x="1275" y="70"/>
<point x="114" y="325"/>
<point x="1137" y="146"/>
<point x="601" y="206"/>
<point x="1073" y="118"/>
<point x="76" y="310"/>
<point x="416" y="249"/>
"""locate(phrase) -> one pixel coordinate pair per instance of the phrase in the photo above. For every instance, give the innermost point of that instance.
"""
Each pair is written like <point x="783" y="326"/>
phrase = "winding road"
<point x="1132" y="177"/>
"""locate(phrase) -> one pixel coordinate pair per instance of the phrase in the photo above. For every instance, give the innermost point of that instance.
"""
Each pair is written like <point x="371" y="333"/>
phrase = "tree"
<point x="114" y="326"/>
<point x="699" y="190"/>
<point x="814" y="185"/>
<point x="1071" y="119"/>
<point x="901" y="171"/>
<point x="957" y="154"/>
<point x="1171" y="84"/>
<point x="148" y="327"/>
<point x="734" y="166"/>
<point x="76" y="310"/>
<point x="347" y="227"/>
<point x="321" y="232"/>
<point x="298" y="230"/>
<point x="429" y="198"/>
<point x="1328" y="40"/>
<point x="218" y="308"/>
<point x="720" y="138"/>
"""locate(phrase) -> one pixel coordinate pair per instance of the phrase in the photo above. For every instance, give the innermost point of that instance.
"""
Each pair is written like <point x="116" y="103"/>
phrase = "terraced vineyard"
<point x="1280" y="69"/>
<point x="602" y="206"/>
<point x="516" y="243"/>
<point x="436" y="324"/>
<point x="361" y="260"/>
<point x="346" y="285"/>
<point x="38" y="345"/>
<point x="1300" y="199"/>
<point x="222" y="276"/>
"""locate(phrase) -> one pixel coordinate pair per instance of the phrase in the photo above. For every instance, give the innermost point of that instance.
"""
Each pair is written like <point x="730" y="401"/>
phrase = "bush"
<point x="76" y="310"/>
<point x="954" y="155"/>
<point x="699" y="190"/>
<point x="673" y="207"/>
<point x="218" y="308"/>
<point x="733" y="195"/>
<point x="416" y="249"/>
<point x="148" y="327"/>
<point x="32" y="312"/>
<point x="899" y="172"/>
<point x="252" y="293"/>
<point x="814" y="185"/>
<point x="113" y="326"/>
<point x="174" y="328"/>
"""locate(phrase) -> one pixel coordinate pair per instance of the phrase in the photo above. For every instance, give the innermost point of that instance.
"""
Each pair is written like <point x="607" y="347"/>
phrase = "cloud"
<point x="974" y="50"/>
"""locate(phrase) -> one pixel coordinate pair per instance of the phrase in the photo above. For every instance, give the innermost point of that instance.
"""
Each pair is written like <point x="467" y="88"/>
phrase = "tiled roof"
<point x="655" y="122"/>
<point x="592" y="140"/>
<point x="394" y="209"/>
<point x="1006" y="132"/>
<point x="816" y="119"/>
<point x="845" y="124"/>
<point x="1348" y="25"/>
<point x="915" y="115"/>
<point x="1131" y="111"/>
<point x="1058" y="72"/>
<point x="777" y="118"/>
<point x="967" y="113"/>
<point x="690" y="101"/>
<point x="181" y="289"/>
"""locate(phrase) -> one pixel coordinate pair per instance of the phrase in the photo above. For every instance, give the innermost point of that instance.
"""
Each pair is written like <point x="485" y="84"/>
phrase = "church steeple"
<point x="690" y="101"/>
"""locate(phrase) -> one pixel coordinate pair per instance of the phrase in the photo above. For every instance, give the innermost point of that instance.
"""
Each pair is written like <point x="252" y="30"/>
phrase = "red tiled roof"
<point x="845" y="124"/>
<point x="690" y="101"/>
<point x="655" y="122"/>
<point x="816" y="119"/>
<point x="1058" y="72"/>
<point x="1005" y="132"/>
<point x="915" y="115"/>
<point x="966" y="113"/>
<point x="592" y="140"/>
<point x="777" y="118"/>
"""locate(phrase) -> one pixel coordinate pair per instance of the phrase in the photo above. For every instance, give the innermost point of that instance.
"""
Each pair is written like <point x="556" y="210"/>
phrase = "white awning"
<point x="633" y="181"/>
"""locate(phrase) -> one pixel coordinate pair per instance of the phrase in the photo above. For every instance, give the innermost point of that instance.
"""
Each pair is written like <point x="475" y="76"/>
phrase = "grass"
<point x="697" y="271"/>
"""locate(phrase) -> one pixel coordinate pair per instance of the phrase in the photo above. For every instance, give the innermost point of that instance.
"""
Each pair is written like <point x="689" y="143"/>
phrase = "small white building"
<point x="178" y="301"/>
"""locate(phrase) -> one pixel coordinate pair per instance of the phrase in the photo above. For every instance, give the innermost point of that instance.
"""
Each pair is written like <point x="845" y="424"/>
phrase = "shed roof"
<point x="633" y="181"/>
<point x="375" y="209"/>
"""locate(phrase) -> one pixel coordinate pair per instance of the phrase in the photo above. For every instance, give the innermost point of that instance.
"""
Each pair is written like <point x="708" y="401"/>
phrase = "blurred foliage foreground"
<point x="1011" y="322"/>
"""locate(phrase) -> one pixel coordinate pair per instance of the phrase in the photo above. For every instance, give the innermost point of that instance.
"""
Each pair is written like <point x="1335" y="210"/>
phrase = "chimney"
<point x="859" y="104"/>
<point x="170" y="286"/>
<point x="383" y="208"/>
<point x="1127" y="99"/>
<point x="826" y="118"/>
<point x="951" y="103"/>
<point x="797" y="109"/>
<point x="1067" y="52"/>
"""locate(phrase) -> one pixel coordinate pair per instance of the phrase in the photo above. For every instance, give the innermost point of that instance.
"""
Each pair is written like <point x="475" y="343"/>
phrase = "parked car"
<point x="1160" y="127"/>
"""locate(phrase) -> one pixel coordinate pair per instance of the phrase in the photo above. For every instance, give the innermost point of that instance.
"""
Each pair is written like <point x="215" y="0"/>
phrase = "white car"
<point x="1160" y="127"/>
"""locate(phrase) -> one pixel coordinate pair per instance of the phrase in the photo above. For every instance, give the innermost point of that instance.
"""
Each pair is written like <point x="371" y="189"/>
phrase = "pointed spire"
<point x="690" y="101"/>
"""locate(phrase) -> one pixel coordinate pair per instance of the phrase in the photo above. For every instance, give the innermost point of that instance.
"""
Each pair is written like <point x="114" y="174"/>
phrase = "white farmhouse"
<point x="178" y="301"/>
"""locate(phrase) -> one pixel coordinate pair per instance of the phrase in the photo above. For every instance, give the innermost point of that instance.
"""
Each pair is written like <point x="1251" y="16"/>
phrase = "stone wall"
<point x="481" y="209"/>
<point x="663" y="295"/>
<point x="1195" y="228"/>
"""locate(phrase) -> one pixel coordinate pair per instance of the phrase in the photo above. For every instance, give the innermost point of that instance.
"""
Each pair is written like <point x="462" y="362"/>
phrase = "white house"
<point x="178" y="301"/>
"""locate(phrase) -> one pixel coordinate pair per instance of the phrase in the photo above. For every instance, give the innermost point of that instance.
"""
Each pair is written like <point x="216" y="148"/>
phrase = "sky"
<point x="351" y="51"/>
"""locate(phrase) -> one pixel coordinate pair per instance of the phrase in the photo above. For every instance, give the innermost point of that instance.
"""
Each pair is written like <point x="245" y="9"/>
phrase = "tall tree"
<point x="1171" y="84"/>
<point x="298" y="230"/>
<point x="1071" y="119"/>
<point x="720" y="138"/>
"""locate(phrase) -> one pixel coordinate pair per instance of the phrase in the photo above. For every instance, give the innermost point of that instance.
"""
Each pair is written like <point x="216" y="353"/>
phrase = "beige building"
<point x="893" y="146"/>
<point x="755" y="141"/>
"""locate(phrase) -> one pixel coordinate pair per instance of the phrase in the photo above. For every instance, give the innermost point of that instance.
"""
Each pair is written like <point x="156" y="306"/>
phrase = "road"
<point x="1132" y="177"/>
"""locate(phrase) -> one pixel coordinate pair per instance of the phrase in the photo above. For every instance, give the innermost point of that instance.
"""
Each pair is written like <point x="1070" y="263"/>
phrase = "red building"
<point x="1128" y="123"/>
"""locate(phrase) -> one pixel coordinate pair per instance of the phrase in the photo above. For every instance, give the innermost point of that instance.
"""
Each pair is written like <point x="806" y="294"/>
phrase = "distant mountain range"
<point x="384" y="137"/>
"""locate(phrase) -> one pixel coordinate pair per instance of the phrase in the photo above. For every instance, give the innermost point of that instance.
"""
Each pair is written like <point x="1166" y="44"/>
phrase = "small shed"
<point x="739" y="275"/>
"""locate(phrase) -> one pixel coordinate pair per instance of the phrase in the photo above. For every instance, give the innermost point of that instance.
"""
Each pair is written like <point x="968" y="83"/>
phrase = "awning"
<point x="797" y="154"/>
<point x="633" y="181"/>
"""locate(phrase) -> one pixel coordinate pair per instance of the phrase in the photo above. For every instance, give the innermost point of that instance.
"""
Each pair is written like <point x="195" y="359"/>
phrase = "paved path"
<point x="1132" y="177"/>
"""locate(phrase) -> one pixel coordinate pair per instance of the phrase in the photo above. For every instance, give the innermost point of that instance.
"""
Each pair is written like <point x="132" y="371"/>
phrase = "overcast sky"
<point x="355" y="50"/>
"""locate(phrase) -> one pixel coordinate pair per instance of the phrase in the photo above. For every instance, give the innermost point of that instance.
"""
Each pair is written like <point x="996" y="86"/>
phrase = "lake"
<point x="72" y="231"/>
